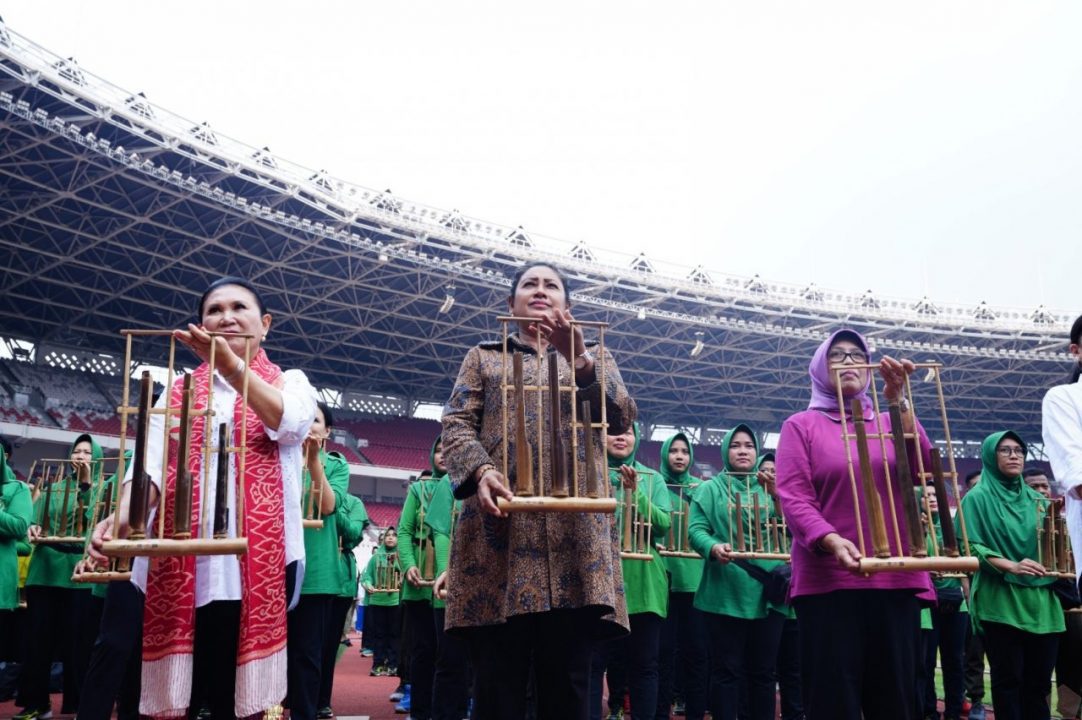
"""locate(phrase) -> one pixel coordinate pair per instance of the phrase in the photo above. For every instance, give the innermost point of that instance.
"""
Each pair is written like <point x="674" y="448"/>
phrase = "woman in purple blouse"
<point x="859" y="635"/>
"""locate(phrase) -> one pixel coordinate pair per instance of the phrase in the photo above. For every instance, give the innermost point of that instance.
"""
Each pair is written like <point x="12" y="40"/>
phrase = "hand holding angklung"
<point x="1029" y="567"/>
<point x="766" y="479"/>
<point x="629" y="476"/>
<point x="413" y="576"/>
<point x="33" y="532"/>
<point x="103" y="532"/>
<point x="894" y="373"/>
<point x="492" y="485"/>
<point x="199" y="341"/>
<point x="720" y="552"/>
<point x="844" y="551"/>
<point x="561" y="334"/>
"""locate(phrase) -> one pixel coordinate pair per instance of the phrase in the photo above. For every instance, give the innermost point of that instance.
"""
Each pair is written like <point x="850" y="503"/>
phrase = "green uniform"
<point x="726" y="588"/>
<point x="646" y="587"/>
<point x="377" y="564"/>
<point x="322" y="565"/>
<point x="685" y="572"/>
<point x="53" y="565"/>
<point x="352" y="520"/>
<point x="415" y="536"/>
<point x="1001" y="521"/>
<point x="443" y="509"/>
<point x="15" y="514"/>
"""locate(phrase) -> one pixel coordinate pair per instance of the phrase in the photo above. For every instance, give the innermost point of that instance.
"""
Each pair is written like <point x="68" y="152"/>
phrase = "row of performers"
<point x="531" y="595"/>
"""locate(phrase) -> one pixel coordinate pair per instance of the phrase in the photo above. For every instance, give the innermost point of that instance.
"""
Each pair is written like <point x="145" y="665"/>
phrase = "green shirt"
<point x="352" y="520"/>
<point x="646" y="587"/>
<point x="726" y="589"/>
<point x="685" y="572"/>
<point x="413" y="536"/>
<point x="443" y="540"/>
<point x="53" y="565"/>
<point x="1034" y="609"/>
<point x="379" y="561"/>
<point x="322" y="565"/>
<point x="15" y="513"/>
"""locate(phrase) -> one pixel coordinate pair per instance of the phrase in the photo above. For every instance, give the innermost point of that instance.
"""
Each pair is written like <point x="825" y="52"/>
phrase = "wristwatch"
<point x="583" y="361"/>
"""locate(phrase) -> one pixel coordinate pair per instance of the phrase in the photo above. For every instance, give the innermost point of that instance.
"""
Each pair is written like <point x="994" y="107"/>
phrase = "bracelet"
<point x="240" y="370"/>
<point x="479" y="473"/>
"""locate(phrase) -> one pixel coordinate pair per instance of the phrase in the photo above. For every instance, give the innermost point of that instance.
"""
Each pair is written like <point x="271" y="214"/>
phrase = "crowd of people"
<point x="488" y="613"/>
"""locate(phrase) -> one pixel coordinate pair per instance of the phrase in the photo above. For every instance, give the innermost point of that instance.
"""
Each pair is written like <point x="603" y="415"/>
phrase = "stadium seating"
<point x="383" y="514"/>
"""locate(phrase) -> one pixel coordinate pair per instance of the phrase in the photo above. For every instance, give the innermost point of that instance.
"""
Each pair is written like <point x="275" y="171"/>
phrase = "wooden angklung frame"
<point x="756" y="530"/>
<point x="888" y="522"/>
<point x="210" y="536"/>
<point x="635" y="527"/>
<point x="48" y="481"/>
<point x="1053" y="540"/>
<point x="313" y="497"/>
<point x="116" y="568"/>
<point x="676" y="543"/>
<point x="569" y="490"/>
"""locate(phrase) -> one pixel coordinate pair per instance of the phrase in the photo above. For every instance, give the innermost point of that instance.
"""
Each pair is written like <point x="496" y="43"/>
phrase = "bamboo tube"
<point x="592" y="481"/>
<point x="221" y="485"/>
<point x="757" y="527"/>
<point x="139" y="499"/>
<point x="1062" y="555"/>
<point x="739" y="522"/>
<point x="46" y="514"/>
<point x="1048" y="525"/>
<point x="871" y="494"/>
<point x="542" y="503"/>
<point x="904" y="480"/>
<point x="558" y="461"/>
<point x="65" y="507"/>
<point x="182" y="499"/>
<point x="627" y="518"/>
<point x="523" y="457"/>
<point x="946" y="522"/>
<point x="963" y="564"/>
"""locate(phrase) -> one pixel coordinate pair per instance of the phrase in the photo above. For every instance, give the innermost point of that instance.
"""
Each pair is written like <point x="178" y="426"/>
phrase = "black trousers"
<point x="113" y="674"/>
<point x="635" y="661"/>
<point x="384" y="625"/>
<point x="54" y="617"/>
<point x="859" y="651"/>
<point x="1069" y="668"/>
<point x="1021" y="663"/>
<point x="451" y="683"/>
<point x="743" y="656"/>
<point x="307" y="626"/>
<point x="422" y="656"/>
<point x="974" y="666"/>
<point x="948" y="636"/>
<point x="788" y="671"/>
<point x="336" y="623"/>
<point x="683" y="654"/>
<point x="556" y="643"/>
<point x="214" y="667"/>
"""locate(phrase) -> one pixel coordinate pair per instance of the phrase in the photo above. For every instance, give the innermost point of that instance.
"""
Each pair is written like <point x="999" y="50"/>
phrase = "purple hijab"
<point x="824" y="396"/>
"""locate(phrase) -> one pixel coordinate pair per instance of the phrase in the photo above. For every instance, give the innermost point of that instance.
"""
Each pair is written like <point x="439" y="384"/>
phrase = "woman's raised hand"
<point x="199" y="341"/>
<point x="894" y="374"/>
<point x="561" y="334"/>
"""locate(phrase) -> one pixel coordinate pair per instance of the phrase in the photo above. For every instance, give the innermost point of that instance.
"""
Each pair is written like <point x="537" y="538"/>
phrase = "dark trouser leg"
<point x="683" y="652"/>
<point x="760" y="656"/>
<point x="336" y="622"/>
<point x="405" y="643"/>
<point x="728" y="637"/>
<point x="929" y="645"/>
<point x="1006" y="658"/>
<point x="501" y="664"/>
<point x="217" y="632"/>
<point x="859" y="650"/>
<point x="44" y="607"/>
<point x="85" y="610"/>
<point x="788" y="670"/>
<point x="1069" y="668"/>
<point x="1040" y="660"/>
<point x="115" y="660"/>
<point x="616" y="672"/>
<point x="667" y="657"/>
<point x="306" y="624"/>
<point x="562" y="645"/>
<point x="642" y="666"/>
<point x="598" y="661"/>
<point x="974" y="666"/>
<point x="376" y="633"/>
<point x="952" y="636"/>
<point x="451" y="685"/>
<point x="422" y="657"/>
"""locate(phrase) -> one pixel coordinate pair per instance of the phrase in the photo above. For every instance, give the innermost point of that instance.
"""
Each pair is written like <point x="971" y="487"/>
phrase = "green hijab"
<point x="615" y="463"/>
<point x="1000" y="512"/>
<point x="740" y="482"/>
<point x="438" y="512"/>
<point x="670" y="475"/>
<point x="96" y="456"/>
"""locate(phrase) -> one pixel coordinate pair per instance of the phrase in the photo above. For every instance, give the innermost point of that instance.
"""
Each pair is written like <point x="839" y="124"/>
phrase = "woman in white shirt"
<point x="225" y="615"/>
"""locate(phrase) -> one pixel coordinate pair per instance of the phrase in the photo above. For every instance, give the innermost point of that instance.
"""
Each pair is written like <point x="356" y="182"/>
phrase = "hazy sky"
<point x="912" y="148"/>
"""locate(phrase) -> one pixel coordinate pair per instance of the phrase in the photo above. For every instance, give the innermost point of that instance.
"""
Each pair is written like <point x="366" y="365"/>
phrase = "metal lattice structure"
<point x="115" y="212"/>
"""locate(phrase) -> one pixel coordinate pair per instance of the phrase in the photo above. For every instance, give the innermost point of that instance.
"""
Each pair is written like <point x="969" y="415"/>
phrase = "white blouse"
<point x="1061" y="415"/>
<point x="217" y="577"/>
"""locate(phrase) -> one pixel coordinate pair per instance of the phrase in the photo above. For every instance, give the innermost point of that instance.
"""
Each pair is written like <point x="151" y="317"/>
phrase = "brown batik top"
<point x="529" y="562"/>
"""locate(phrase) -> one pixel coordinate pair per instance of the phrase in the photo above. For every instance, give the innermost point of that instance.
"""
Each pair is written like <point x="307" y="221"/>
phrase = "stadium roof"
<point x="115" y="212"/>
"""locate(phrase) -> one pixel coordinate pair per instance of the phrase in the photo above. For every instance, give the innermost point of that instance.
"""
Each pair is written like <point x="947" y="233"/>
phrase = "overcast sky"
<point x="911" y="148"/>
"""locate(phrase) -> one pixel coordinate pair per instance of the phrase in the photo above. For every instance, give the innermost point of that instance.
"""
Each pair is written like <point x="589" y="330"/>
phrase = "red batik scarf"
<point x="169" y="615"/>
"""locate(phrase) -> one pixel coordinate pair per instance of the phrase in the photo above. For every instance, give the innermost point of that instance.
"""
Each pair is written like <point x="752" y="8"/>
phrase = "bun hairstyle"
<point x="1076" y="339"/>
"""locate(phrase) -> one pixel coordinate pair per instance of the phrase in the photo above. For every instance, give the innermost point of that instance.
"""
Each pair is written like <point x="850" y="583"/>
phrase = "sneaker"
<point x="615" y="715"/>
<point x="29" y="714"/>
<point x="399" y="693"/>
<point x="403" y="706"/>
<point x="365" y="652"/>
<point x="325" y="713"/>
<point x="392" y="671"/>
<point x="375" y="671"/>
<point x="678" y="707"/>
<point x="976" y="711"/>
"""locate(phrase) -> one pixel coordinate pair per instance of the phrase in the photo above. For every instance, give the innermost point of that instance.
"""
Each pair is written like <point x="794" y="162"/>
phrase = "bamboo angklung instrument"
<point x="182" y="500"/>
<point x="567" y="486"/>
<point x="904" y="479"/>
<point x="557" y="452"/>
<point x="738" y="522"/>
<point x="588" y="451"/>
<point x="757" y="523"/>
<point x="221" y="485"/>
<point x="60" y="522"/>
<point x="1063" y="553"/>
<point x="46" y="512"/>
<point x="139" y="500"/>
<point x="523" y="455"/>
<point x="946" y="522"/>
<point x="867" y="479"/>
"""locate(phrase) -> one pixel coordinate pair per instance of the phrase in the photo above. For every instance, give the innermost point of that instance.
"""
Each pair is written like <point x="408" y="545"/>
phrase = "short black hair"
<point x="231" y="280"/>
<point x="970" y="475"/>
<point x="1076" y="331"/>
<point x="1033" y="472"/>
<point x="517" y="278"/>
<point x="391" y="529"/>
<point x="328" y="416"/>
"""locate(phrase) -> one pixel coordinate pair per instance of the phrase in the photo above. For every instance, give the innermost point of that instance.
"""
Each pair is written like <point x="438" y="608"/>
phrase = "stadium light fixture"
<point x="642" y="313"/>
<point x="448" y="301"/>
<point x="697" y="350"/>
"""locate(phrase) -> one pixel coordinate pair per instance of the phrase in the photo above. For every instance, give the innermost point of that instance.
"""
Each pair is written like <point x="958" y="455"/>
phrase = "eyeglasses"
<point x="837" y="357"/>
<point x="1011" y="451"/>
